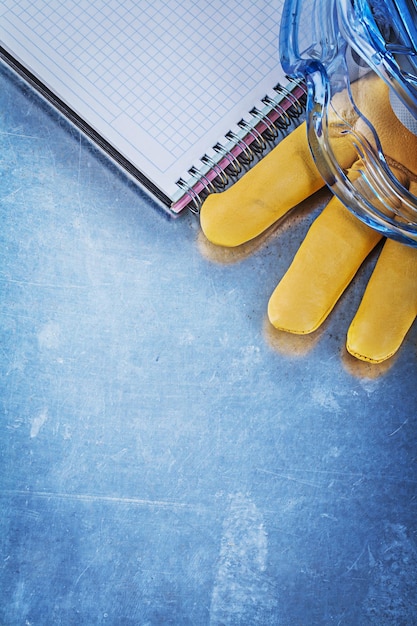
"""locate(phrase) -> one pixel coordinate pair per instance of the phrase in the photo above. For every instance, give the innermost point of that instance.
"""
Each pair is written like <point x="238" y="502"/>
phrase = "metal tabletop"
<point x="166" y="456"/>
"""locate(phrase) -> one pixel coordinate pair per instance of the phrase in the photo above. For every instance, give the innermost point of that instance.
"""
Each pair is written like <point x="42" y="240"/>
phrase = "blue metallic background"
<point x="166" y="456"/>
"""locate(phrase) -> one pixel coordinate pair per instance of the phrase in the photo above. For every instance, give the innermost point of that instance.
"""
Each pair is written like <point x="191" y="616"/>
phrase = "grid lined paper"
<point x="161" y="74"/>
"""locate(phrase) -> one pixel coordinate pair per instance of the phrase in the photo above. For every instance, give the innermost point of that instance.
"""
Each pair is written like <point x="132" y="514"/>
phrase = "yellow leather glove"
<point x="337" y="242"/>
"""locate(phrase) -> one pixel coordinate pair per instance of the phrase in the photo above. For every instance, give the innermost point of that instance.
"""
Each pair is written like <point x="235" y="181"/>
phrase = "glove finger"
<point x="388" y="307"/>
<point x="327" y="260"/>
<point x="280" y="181"/>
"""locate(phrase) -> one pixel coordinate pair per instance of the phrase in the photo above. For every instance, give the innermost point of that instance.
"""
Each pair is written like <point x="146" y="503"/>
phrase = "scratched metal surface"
<point x="166" y="458"/>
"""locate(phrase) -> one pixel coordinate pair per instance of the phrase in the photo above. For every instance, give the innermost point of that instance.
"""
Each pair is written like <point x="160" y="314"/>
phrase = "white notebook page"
<point x="162" y="81"/>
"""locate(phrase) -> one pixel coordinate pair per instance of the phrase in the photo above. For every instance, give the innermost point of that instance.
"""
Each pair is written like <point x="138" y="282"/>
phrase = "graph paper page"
<point x="162" y="81"/>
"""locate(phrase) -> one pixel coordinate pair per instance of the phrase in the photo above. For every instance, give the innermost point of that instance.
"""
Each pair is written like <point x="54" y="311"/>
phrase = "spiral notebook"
<point x="182" y="94"/>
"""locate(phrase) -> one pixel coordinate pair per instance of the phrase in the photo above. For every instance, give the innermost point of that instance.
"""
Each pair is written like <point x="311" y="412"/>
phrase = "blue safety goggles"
<point x="336" y="46"/>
